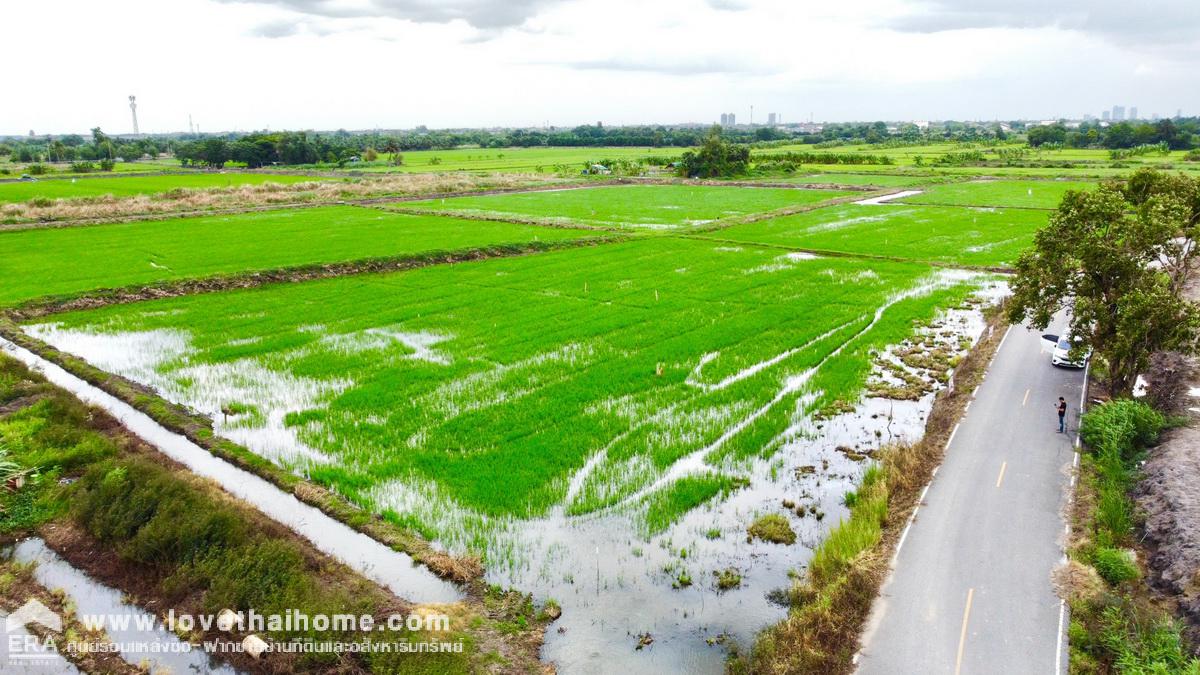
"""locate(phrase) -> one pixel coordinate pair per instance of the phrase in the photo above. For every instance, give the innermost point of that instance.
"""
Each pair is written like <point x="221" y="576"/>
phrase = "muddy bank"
<point x="1168" y="493"/>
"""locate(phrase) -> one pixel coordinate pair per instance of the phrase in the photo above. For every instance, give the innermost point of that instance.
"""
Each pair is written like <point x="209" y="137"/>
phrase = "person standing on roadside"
<point x="1062" y="415"/>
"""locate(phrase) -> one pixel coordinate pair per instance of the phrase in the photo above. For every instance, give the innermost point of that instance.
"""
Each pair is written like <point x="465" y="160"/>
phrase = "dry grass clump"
<point x="1077" y="582"/>
<point x="461" y="569"/>
<point x="268" y="194"/>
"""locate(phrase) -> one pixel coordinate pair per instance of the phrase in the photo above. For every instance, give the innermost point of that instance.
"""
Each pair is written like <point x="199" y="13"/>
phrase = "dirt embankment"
<point x="1168" y="494"/>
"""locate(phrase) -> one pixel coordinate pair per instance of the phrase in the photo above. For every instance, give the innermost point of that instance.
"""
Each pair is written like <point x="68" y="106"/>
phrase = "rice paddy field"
<point x="489" y="385"/>
<point x="1032" y="194"/>
<point x="602" y="423"/>
<point x="71" y="260"/>
<point x="988" y="237"/>
<point x="879" y="179"/>
<point x="640" y="207"/>
<point x="127" y="186"/>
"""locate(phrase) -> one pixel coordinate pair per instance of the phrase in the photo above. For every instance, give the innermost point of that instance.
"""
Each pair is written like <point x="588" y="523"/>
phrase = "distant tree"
<point x="1118" y="258"/>
<point x="1054" y="133"/>
<point x="213" y="152"/>
<point x="1119" y="136"/>
<point x="369" y="155"/>
<point x="716" y="158"/>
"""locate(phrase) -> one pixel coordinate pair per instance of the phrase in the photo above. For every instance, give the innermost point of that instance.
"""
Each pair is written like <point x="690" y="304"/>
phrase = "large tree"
<point x="1118" y="258"/>
<point x="716" y="158"/>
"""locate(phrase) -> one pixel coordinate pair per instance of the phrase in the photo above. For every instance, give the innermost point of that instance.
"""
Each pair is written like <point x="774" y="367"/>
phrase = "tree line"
<point x="1176" y="134"/>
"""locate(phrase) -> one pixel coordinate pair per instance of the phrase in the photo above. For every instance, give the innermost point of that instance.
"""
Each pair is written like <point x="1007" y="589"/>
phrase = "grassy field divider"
<point x="832" y="600"/>
<point x="215" y="284"/>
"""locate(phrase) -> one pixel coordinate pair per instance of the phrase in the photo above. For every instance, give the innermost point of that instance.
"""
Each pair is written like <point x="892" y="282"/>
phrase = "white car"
<point x="1060" y="353"/>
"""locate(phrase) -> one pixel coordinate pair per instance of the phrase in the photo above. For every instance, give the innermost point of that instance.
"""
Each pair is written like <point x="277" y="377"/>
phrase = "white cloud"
<point x="325" y="64"/>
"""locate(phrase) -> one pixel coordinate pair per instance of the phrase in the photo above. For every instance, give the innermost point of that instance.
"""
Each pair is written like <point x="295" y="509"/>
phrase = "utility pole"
<point x="133" y="109"/>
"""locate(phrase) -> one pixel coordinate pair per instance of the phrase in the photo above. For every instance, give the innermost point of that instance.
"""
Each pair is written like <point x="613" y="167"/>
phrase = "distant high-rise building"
<point x="1106" y="116"/>
<point x="771" y="117"/>
<point x="724" y="119"/>
<point x="732" y="119"/>
<point x="1133" y="113"/>
<point x="1118" y="113"/>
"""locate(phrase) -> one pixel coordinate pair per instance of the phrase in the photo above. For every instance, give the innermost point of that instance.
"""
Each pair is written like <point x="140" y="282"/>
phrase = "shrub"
<point x="82" y="167"/>
<point x="1124" y="426"/>
<point x="36" y="169"/>
<point x="107" y="165"/>
<point x="1115" y="565"/>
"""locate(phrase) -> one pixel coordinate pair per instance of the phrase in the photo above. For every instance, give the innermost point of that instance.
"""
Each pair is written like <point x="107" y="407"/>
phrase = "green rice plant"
<point x="72" y="260"/>
<point x="965" y="236"/>
<point x="666" y="507"/>
<point x="652" y="207"/>
<point x="1039" y="194"/>
<point x="453" y="398"/>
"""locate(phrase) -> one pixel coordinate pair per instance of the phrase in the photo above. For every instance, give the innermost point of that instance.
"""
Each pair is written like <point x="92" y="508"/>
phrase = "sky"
<point x="241" y="65"/>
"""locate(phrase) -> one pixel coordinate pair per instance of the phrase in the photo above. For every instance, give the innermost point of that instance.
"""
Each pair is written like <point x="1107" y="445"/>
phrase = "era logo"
<point x="33" y="612"/>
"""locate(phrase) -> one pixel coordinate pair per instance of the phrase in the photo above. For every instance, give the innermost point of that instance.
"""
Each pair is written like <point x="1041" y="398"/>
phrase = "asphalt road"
<point x="971" y="591"/>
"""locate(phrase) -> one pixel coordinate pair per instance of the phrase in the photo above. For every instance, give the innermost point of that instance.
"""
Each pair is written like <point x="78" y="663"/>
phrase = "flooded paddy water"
<point x="392" y="569"/>
<point x="632" y="600"/>
<point x="157" y="650"/>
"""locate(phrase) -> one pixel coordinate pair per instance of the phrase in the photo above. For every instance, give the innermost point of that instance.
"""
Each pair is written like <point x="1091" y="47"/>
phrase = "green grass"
<point x="966" y="236"/>
<point x="65" y="261"/>
<point x="1039" y="194"/>
<point x="89" y="186"/>
<point x="652" y="207"/>
<point x="481" y="388"/>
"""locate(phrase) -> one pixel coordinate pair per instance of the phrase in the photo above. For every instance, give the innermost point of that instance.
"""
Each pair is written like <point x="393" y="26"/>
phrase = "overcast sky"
<point x="359" y="64"/>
